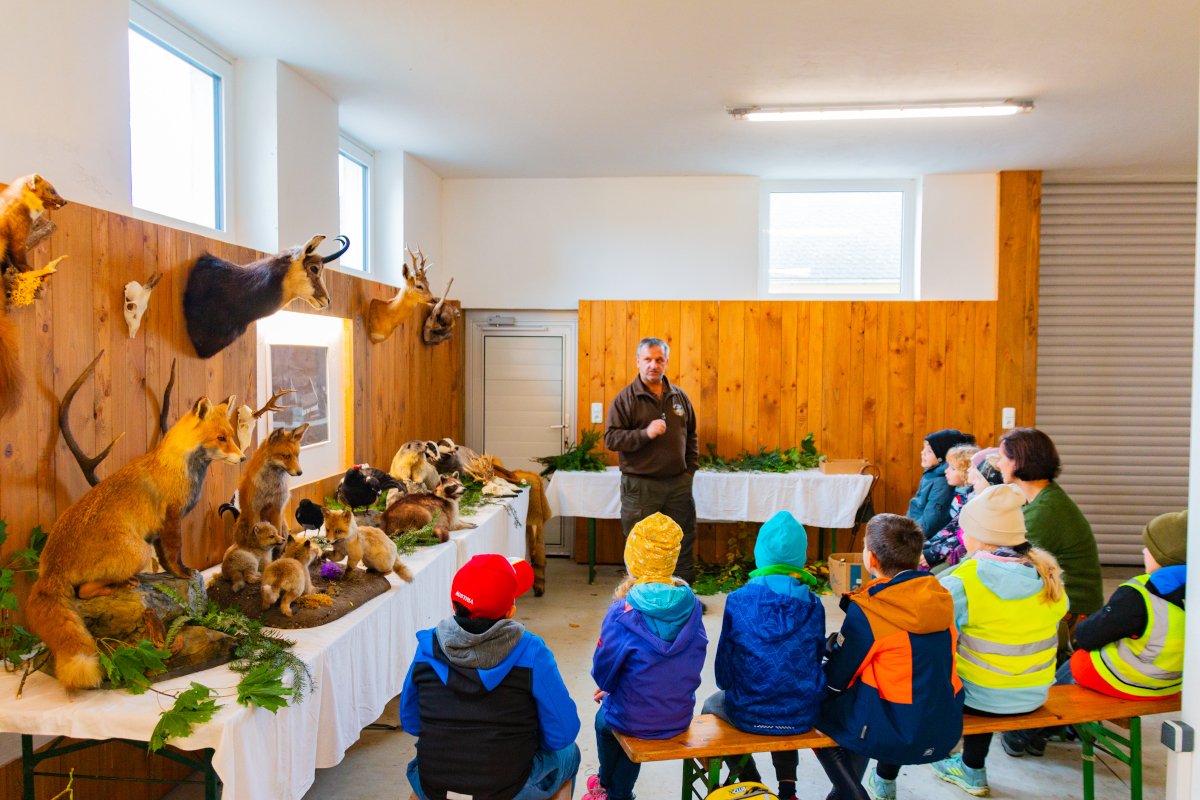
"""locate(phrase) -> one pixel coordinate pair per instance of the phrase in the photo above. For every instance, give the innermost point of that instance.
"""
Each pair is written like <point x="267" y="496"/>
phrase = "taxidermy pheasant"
<point x="362" y="484"/>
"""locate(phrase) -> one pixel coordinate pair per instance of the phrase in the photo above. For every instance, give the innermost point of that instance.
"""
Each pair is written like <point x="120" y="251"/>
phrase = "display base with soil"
<point x="347" y="593"/>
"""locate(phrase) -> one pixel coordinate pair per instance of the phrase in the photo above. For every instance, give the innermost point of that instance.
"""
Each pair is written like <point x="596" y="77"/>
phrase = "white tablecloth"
<point x="358" y="664"/>
<point x="813" y="498"/>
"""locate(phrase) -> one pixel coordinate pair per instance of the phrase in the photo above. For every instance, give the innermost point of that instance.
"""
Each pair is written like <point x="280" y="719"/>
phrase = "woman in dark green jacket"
<point x="1029" y="461"/>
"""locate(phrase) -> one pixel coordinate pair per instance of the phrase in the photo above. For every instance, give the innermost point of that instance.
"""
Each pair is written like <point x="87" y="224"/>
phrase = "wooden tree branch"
<point x="166" y="403"/>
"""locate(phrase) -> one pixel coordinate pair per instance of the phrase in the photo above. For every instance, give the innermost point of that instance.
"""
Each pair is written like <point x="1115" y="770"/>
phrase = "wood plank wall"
<point x="869" y="379"/>
<point x="403" y="389"/>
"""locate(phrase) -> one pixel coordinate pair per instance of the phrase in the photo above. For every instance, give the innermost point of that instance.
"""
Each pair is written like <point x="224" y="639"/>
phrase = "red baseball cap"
<point x="488" y="585"/>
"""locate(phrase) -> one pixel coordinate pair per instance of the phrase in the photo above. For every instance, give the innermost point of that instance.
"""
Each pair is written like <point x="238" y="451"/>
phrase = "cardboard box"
<point x="846" y="572"/>
<point x="844" y="466"/>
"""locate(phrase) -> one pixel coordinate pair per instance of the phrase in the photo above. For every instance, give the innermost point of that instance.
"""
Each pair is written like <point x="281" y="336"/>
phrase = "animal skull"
<point x="137" y="297"/>
<point x="244" y="426"/>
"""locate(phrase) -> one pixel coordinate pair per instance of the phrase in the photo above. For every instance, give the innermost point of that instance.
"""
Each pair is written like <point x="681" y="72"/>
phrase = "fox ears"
<point x="298" y="433"/>
<point x="203" y="408"/>
<point x="295" y="434"/>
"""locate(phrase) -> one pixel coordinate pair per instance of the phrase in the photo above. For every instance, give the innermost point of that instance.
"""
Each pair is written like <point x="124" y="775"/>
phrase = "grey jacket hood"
<point x="478" y="650"/>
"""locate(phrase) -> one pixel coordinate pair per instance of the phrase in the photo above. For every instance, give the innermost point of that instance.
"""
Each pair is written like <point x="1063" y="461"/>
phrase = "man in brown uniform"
<point x="652" y="428"/>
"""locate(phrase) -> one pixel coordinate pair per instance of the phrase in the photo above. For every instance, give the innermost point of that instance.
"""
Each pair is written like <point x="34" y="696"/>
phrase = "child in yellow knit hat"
<point x="648" y="660"/>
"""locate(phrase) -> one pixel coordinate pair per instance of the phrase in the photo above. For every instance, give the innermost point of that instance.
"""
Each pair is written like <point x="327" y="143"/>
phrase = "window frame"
<point x="366" y="159"/>
<point x="178" y="41"/>
<point x="908" y="234"/>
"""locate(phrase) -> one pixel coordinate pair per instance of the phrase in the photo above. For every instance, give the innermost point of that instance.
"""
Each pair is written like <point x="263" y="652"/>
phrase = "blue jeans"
<point x="617" y="773"/>
<point x="551" y="769"/>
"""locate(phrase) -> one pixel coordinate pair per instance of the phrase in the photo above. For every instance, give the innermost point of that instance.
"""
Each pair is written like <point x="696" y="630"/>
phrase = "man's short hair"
<point x="1033" y="453"/>
<point x="651" y="341"/>
<point x="896" y="542"/>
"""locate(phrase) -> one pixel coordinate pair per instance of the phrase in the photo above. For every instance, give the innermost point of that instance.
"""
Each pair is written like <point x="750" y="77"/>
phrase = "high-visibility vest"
<point x="1006" y="644"/>
<point x="1151" y="665"/>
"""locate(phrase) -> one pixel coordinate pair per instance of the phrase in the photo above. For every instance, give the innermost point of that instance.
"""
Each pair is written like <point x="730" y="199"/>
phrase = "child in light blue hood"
<point x="769" y="657"/>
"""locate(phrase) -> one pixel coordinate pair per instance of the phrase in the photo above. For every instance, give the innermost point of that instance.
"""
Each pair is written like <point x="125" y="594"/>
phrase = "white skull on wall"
<point x="137" y="297"/>
<point x="245" y="426"/>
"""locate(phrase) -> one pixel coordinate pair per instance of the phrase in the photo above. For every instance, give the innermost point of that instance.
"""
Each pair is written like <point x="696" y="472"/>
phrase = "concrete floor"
<point x="568" y="617"/>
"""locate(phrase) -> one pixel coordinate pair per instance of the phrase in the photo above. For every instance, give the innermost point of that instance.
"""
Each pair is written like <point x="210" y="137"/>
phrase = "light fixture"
<point x="966" y="108"/>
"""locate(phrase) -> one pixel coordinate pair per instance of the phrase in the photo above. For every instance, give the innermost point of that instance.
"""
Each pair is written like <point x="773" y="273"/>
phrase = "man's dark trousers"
<point x="641" y="497"/>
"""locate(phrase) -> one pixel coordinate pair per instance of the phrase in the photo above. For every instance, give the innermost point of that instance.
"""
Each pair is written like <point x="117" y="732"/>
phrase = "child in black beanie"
<point x="930" y="508"/>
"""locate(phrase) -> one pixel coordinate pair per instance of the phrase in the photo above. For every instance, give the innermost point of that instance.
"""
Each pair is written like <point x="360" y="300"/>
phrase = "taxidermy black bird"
<point x="309" y="515"/>
<point x="362" y="484"/>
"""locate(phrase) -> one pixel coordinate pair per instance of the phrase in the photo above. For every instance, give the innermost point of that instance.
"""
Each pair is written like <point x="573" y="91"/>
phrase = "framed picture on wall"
<point x="304" y="370"/>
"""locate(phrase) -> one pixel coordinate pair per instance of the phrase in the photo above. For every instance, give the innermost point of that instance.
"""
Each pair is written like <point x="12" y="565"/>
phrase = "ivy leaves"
<point x="193" y="706"/>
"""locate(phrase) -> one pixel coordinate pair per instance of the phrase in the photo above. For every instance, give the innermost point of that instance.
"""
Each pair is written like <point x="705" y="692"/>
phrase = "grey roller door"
<point x="1115" y="350"/>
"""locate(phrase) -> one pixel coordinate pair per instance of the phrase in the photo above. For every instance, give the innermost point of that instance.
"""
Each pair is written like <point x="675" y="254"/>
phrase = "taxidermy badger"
<point x="222" y="298"/>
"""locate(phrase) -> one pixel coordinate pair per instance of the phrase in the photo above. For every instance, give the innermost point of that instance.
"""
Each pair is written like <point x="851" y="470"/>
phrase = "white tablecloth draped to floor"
<point x="813" y="498"/>
<point x="358" y="664"/>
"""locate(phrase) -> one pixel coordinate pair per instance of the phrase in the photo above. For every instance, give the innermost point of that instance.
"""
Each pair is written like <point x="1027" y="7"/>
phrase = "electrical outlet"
<point x="1008" y="418"/>
<point x="597" y="412"/>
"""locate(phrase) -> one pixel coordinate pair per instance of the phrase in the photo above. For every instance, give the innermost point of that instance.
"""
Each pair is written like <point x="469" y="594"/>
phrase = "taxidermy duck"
<point x="362" y="484"/>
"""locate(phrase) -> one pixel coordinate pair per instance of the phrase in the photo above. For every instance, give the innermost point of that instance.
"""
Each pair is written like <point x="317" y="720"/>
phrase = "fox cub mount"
<point x="110" y="534"/>
<point x="223" y="298"/>
<point x="22" y="225"/>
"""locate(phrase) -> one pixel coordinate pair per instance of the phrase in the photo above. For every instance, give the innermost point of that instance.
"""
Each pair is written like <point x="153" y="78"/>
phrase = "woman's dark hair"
<point x="460" y="610"/>
<point x="1034" y="452"/>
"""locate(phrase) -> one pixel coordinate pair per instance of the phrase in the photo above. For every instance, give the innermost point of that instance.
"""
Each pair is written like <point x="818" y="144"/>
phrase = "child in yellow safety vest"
<point x="1008" y="600"/>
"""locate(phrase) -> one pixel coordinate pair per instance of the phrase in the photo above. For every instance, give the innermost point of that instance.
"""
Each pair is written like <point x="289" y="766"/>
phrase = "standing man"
<point x="652" y="428"/>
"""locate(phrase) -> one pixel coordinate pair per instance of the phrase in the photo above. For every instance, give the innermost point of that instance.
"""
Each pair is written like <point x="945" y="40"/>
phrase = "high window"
<point x="177" y="98"/>
<point x="354" y="193"/>
<point x="837" y="239"/>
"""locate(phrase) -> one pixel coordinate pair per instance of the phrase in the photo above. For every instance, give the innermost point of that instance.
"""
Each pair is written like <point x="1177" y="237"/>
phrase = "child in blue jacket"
<point x="930" y="508"/>
<point x="648" y="660"/>
<point x="772" y="644"/>
<point x="484" y="698"/>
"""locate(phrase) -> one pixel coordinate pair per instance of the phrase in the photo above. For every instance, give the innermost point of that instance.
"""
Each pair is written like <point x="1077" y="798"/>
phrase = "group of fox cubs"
<point x="263" y="494"/>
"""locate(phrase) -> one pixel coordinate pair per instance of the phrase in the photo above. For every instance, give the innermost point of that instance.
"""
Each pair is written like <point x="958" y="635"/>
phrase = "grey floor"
<point x="568" y="618"/>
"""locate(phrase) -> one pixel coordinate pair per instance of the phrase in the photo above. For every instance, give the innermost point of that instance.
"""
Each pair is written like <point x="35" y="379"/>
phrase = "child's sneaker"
<point x="953" y="770"/>
<point x="880" y="789"/>
<point x="594" y="790"/>
<point x="787" y="790"/>
<point x="1015" y="743"/>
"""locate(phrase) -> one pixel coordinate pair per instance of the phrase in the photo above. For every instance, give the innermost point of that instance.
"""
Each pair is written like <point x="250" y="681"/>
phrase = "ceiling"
<point x="568" y="88"/>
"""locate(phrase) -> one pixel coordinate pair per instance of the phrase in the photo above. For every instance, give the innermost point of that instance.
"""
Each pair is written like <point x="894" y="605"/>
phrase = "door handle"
<point x="555" y="427"/>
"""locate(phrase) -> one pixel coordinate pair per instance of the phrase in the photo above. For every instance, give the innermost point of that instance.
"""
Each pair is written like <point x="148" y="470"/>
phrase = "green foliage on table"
<point x="263" y="686"/>
<point x="407" y="542"/>
<point x="794" y="458"/>
<point x="127" y="665"/>
<point x="16" y="642"/>
<point x="723" y="577"/>
<point x="578" y="458"/>
<point x="192" y="706"/>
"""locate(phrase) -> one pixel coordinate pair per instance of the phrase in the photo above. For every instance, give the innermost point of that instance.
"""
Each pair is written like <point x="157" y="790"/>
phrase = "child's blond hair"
<point x="958" y="458"/>
<point x="628" y="581"/>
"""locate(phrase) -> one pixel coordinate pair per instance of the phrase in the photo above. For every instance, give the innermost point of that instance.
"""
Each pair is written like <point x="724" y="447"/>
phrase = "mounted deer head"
<point x="137" y="297"/>
<point x="384" y="315"/>
<point x="222" y="298"/>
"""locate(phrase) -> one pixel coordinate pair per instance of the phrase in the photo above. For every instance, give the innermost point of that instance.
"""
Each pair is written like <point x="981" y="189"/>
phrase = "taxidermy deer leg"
<point x="536" y="543"/>
<point x="92" y="589"/>
<point x="168" y="546"/>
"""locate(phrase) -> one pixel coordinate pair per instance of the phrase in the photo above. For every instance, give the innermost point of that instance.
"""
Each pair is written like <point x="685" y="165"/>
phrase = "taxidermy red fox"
<point x="413" y="511"/>
<point x="288" y="578"/>
<point x="104" y="539"/>
<point x="21" y="204"/>
<point x="247" y="558"/>
<point x="263" y="490"/>
<point x="362" y="544"/>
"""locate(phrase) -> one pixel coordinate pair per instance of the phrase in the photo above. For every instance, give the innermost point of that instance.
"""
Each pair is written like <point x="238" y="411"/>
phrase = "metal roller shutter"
<point x="1118" y="267"/>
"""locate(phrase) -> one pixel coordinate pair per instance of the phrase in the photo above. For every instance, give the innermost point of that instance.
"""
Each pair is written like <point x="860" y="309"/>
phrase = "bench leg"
<point x="1135" y="758"/>
<point x="1127" y="751"/>
<point x="1089" y="766"/>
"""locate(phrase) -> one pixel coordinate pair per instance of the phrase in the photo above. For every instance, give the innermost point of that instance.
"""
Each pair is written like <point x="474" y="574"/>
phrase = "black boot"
<point x="844" y="770"/>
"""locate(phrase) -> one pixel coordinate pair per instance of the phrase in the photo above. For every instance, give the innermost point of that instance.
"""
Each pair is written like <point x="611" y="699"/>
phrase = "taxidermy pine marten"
<point x="21" y="204"/>
<point x="413" y="511"/>
<point x="309" y="515"/>
<point x="263" y="489"/>
<point x="286" y="579"/>
<point x="362" y="484"/>
<point x="250" y="554"/>
<point x="362" y="544"/>
<point x="104" y="539"/>
<point x="223" y="298"/>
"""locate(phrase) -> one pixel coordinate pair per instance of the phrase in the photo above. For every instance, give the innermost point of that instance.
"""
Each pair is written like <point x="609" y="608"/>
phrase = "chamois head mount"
<point x="383" y="317"/>
<point x="223" y="298"/>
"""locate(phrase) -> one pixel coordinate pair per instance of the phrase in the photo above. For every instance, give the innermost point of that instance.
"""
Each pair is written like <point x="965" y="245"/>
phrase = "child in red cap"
<point x="484" y="697"/>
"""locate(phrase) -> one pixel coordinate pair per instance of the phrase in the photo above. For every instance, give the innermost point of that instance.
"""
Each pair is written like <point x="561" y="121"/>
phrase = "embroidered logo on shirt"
<point x="678" y="410"/>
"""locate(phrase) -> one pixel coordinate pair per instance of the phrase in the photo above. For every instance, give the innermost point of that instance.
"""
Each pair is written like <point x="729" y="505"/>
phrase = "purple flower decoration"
<point x="330" y="570"/>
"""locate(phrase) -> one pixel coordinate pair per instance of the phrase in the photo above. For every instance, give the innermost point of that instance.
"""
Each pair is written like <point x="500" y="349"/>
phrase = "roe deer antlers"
<point x="88" y="465"/>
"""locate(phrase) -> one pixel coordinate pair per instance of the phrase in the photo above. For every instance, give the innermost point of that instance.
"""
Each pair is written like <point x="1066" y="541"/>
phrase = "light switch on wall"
<point x="597" y="412"/>
<point x="1008" y="418"/>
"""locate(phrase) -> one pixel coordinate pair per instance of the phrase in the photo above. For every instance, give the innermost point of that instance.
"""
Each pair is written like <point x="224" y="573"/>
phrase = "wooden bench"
<point x="704" y="745"/>
<point x="563" y="793"/>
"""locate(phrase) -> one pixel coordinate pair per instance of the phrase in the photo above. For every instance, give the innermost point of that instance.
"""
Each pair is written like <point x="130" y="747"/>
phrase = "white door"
<point x="521" y="379"/>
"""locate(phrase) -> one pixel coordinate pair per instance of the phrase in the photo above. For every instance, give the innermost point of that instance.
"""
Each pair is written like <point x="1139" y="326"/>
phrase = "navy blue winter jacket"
<point x="769" y="657"/>
<point x="931" y="507"/>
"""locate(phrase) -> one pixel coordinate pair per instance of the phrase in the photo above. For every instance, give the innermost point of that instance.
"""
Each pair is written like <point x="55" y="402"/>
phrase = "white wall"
<point x="548" y="243"/>
<point x="408" y="211"/>
<point x="958" y="242"/>
<point x="308" y="161"/>
<point x="256" y="145"/>
<point x="423" y="219"/>
<point x="66" y="105"/>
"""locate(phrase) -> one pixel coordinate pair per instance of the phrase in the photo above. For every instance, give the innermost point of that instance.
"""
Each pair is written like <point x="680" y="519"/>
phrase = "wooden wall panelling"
<point x="1016" y="319"/>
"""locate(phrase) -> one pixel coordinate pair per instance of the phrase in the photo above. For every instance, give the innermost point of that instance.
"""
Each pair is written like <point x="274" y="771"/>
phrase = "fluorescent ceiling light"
<point x="968" y="108"/>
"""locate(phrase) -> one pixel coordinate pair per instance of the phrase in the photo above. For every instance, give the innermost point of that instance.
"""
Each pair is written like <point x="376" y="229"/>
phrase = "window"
<point x="177" y="97"/>
<point x="354" y="198"/>
<point x="837" y="240"/>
